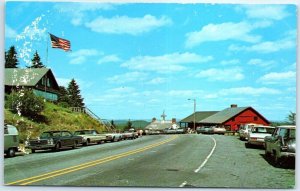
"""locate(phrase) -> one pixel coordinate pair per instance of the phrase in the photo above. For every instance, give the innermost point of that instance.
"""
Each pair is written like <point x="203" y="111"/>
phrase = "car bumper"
<point x="256" y="142"/>
<point x="288" y="155"/>
<point x="40" y="147"/>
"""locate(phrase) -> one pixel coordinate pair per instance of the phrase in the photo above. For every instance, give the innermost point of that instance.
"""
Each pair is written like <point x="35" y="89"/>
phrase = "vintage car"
<point x="11" y="140"/>
<point x="173" y="131"/>
<point x="54" y="140"/>
<point x="129" y="135"/>
<point x="282" y="144"/>
<point x="90" y="136"/>
<point x="258" y="133"/>
<point x="113" y="137"/>
<point x="205" y="130"/>
<point x="219" y="130"/>
<point x="245" y="129"/>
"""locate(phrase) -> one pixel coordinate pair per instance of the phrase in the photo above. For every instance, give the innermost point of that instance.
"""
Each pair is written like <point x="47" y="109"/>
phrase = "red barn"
<point x="231" y="118"/>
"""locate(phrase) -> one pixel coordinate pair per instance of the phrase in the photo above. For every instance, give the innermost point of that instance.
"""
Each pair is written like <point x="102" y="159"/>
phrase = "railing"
<point x="87" y="111"/>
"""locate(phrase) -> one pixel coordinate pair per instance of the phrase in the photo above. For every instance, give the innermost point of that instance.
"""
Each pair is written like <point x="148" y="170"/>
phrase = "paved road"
<point x="153" y="161"/>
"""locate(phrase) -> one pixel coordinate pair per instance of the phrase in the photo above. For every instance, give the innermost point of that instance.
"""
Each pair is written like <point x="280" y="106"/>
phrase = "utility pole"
<point x="194" y="113"/>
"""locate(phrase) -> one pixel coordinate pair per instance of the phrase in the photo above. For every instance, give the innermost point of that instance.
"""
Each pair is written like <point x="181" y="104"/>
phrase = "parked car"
<point x="113" y="137"/>
<point x="11" y="140"/>
<point x="54" y="140"/>
<point x="205" y="130"/>
<point x="258" y="133"/>
<point x="245" y="129"/>
<point x="219" y="130"/>
<point x="90" y="136"/>
<point x="129" y="135"/>
<point x="173" y="131"/>
<point x="281" y="145"/>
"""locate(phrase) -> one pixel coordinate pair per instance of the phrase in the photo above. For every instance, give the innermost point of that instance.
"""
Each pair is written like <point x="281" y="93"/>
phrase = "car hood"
<point x="259" y="135"/>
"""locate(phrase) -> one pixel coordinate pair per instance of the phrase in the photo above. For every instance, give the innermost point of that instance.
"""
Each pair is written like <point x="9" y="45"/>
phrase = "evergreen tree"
<point x="63" y="97"/>
<point x="291" y="118"/>
<point x="11" y="60"/>
<point x="113" y="124"/>
<point x="75" y="99"/>
<point x="129" y="125"/>
<point x="36" y="61"/>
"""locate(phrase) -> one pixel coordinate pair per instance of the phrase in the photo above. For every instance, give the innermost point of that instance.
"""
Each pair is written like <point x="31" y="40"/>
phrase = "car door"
<point x="272" y="142"/>
<point x="66" y="138"/>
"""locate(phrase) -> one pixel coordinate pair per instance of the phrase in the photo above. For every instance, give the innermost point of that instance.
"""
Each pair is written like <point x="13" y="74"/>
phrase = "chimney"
<point x="233" y="105"/>
<point x="173" y="120"/>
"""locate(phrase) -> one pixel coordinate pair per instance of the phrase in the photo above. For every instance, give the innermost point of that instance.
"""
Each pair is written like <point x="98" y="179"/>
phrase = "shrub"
<point x="25" y="103"/>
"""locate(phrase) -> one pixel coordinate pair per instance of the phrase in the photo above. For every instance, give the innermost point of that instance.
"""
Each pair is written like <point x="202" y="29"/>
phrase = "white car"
<point x="258" y="134"/>
<point x="113" y="137"/>
<point x="219" y="130"/>
<point x="245" y="129"/>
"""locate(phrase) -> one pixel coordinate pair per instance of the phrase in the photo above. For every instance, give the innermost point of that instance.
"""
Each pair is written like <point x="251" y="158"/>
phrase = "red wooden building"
<point x="231" y="118"/>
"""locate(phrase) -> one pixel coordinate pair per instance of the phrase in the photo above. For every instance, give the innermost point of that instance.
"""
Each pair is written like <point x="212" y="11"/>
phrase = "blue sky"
<point x="132" y="61"/>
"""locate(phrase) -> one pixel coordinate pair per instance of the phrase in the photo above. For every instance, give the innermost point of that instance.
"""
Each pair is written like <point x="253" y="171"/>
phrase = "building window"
<point x="48" y="82"/>
<point x="255" y="118"/>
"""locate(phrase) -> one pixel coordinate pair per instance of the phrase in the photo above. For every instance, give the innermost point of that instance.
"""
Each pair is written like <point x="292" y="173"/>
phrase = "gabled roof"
<point x="224" y="115"/>
<point x="200" y="115"/>
<point x="25" y="77"/>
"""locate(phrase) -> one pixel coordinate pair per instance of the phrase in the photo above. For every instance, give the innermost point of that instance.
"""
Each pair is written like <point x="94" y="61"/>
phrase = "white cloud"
<point x="127" y="77"/>
<point x="278" y="77"/>
<point x="213" y="74"/>
<point x="249" y="91"/>
<point x="265" y="47"/>
<point x="9" y="32"/>
<point x="63" y="81"/>
<point x="165" y="63"/>
<point x="230" y="62"/>
<point x="127" y="25"/>
<point x="288" y="41"/>
<point x="157" y="80"/>
<point x="272" y="12"/>
<point x="80" y="56"/>
<point x="109" y="59"/>
<point x="261" y="63"/>
<point x="225" y="31"/>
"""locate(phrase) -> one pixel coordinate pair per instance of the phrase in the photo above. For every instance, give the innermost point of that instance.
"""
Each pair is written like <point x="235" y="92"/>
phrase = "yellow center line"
<point x="52" y="174"/>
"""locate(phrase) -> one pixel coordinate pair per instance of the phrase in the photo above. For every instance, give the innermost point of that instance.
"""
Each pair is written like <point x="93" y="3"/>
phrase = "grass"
<point x="53" y="117"/>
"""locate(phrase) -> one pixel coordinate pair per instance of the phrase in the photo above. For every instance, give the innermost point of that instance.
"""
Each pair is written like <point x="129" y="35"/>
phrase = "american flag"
<point x="60" y="43"/>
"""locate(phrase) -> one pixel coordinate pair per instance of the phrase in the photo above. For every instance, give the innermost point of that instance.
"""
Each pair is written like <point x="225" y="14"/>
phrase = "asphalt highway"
<point x="188" y="160"/>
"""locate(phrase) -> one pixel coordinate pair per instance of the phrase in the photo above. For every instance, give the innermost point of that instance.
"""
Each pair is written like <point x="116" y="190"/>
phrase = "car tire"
<point x="276" y="160"/>
<point x="267" y="154"/>
<point x="11" y="152"/>
<point x="57" y="147"/>
<point x="74" y="145"/>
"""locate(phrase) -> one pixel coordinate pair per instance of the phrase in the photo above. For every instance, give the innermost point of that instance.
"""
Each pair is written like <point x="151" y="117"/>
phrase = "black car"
<point x="54" y="140"/>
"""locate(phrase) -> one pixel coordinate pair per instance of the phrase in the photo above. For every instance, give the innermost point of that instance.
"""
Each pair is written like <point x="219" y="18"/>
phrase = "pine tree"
<point x="36" y="61"/>
<point x="11" y="60"/>
<point x="63" y="97"/>
<point x="75" y="99"/>
<point x="291" y="118"/>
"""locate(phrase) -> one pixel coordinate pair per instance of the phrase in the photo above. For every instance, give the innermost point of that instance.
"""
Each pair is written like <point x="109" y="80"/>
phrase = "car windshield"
<point x="259" y="130"/>
<point x="45" y="135"/>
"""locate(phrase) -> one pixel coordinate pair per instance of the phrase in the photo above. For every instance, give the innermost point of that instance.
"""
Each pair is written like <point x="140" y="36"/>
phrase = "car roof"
<point x="287" y="126"/>
<point x="265" y="126"/>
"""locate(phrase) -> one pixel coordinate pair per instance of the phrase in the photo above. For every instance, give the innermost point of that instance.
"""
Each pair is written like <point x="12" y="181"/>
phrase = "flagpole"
<point x="47" y="49"/>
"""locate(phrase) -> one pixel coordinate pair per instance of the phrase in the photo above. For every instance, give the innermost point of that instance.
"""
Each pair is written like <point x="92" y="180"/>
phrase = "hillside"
<point x="53" y="117"/>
